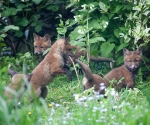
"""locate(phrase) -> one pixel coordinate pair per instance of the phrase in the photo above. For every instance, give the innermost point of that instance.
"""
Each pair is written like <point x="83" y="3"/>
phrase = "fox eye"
<point x="129" y="60"/>
<point x="35" y="46"/>
<point x="136" y="60"/>
<point x="42" y="47"/>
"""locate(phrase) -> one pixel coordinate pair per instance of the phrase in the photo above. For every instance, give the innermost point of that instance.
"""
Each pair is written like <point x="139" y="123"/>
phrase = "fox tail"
<point x="11" y="72"/>
<point x="86" y="70"/>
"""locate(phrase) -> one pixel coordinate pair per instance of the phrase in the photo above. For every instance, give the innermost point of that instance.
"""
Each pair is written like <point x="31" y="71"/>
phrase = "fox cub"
<point x="17" y="85"/>
<point x="53" y="64"/>
<point x="89" y="80"/>
<point x="41" y="43"/>
<point x="128" y="71"/>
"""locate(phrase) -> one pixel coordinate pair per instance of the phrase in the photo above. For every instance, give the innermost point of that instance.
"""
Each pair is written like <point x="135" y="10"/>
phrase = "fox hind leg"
<point x="44" y="92"/>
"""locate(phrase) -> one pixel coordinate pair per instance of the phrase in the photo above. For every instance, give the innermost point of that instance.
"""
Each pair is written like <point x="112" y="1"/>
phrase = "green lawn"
<point x="61" y="108"/>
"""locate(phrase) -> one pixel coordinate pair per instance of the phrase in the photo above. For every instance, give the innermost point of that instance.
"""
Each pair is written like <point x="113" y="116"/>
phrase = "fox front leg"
<point x="57" y="71"/>
<point x="67" y="71"/>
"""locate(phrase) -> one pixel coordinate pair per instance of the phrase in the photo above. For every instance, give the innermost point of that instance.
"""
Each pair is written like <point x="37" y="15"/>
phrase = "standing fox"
<point x="52" y="65"/>
<point x="128" y="71"/>
<point x="17" y="85"/>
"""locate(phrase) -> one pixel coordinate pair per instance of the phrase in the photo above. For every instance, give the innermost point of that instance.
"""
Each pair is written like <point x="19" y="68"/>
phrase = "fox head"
<point x="132" y="59"/>
<point x="68" y="48"/>
<point x="41" y="43"/>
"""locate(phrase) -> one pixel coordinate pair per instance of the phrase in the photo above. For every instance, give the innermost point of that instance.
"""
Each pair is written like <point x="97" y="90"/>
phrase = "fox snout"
<point x="37" y="53"/>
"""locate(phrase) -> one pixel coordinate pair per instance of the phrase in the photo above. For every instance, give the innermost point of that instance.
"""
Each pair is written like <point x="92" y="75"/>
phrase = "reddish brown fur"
<point x="128" y="71"/>
<point x="90" y="79"/>
<point x="52" y="65"/>
<point x="41" y="43"/>
<point x="132" y="61"/>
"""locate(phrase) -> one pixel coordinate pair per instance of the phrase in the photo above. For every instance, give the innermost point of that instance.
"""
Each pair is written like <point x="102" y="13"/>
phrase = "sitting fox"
<point x="128" y="72"/>
<point x="53" y="64"/>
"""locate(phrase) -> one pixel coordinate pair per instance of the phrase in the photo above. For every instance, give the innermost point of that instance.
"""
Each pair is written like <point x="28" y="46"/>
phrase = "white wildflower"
<point x="91" y="6"/>
<point x="104" y="110"/>
<point x="81" y="31"/>
<point x="84" y="6"/>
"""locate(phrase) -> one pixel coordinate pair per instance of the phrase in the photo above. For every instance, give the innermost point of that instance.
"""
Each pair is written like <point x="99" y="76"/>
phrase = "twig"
<point x="75" y="69"/>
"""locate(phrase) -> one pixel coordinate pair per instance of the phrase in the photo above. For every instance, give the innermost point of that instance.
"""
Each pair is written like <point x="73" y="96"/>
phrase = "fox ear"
<point x="67" y="40"/>
<point x="139" y="51"/>
<point x="47" y="38"/>
<point x="125" y="51"/>
<point x="36" y="37"/>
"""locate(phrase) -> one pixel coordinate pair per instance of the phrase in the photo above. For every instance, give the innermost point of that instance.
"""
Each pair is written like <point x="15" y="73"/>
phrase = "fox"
<point x="18" y="84"/>
<point x="91" y="80"/>
<point x="79" y="52"/>
<point x="53" y="64"/>
<point x="41" y="43"/>
<point x="128" y="71"/>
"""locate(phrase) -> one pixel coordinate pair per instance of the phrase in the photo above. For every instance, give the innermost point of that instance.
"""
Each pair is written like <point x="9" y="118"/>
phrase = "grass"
<point x="61" y="108"/>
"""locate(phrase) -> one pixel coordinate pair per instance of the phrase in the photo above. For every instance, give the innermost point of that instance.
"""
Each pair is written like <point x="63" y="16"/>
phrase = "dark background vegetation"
<point x="112" y="26"/>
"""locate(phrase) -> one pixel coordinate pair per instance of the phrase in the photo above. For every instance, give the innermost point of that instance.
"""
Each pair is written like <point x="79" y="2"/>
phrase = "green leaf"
<point x="119" y="60"/>
<point x="61" y="31"/>
<point x="23" y="22"/>
<point x="34" y="24"/>
<point x="6" y="13"/>
<point x="3" y="35"/>
<point x="20" y="7"/>
<point x="13" y="11"/>
<point x="103" y="6"/>
<point x="19" y="33"/>
<point x="36" y="1"/>
<point x="54" y="8"/>
<point x="122" y="46"/>
<point x="76" y="43"/>
<point x="117" y="32"/>
<point x="2" y="44"/>
<point x="46" y="51"/>
<point x="95" y="40"/>
<point x="106" y="48"/>
<point x="6" y="28"/>
<point x="95" y="24"/>
<point x="118" y="8"/>
<point x="38" y="28"/>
